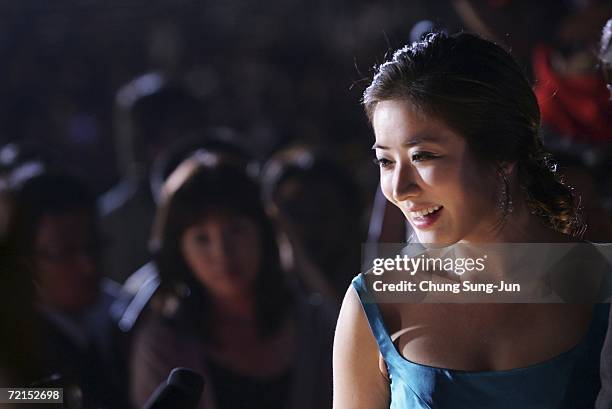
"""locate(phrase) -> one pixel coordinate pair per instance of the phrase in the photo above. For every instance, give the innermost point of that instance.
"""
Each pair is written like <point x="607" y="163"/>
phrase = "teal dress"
<point x="570" y="380"/>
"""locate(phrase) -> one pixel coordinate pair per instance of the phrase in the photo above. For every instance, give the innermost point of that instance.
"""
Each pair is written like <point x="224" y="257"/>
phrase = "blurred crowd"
<point x="187" y="184"/>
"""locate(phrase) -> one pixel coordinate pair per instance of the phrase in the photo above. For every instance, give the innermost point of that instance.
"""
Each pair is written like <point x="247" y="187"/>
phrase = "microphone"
<point x="73" y="395"/>
<point x="182" y="390"/>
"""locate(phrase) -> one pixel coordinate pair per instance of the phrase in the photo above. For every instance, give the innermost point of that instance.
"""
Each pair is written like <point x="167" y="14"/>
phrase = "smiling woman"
<point x="456" y="126"/>
<point x="437" y="182"/>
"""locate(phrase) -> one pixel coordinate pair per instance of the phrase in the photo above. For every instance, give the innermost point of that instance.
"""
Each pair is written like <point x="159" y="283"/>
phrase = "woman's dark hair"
<point x="49" y="193"/>
<point x="477" y="89"/>
<point x="218" y="140"/>
<point x="200" y="184"/>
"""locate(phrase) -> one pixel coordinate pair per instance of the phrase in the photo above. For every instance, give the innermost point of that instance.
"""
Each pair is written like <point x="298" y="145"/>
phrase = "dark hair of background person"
<point x="152" y="112"/>
<point x="192" y="191"/>
<point x="478" y="90"/>
<point x="30" y="200"/>
<point x="52" y="192"/>
<point x="218" y="140"/>
<point x="318" y="205"/>
<point x="164" y="110"/>
<point x="309" y="165"/>
<point x="20" y="352"/>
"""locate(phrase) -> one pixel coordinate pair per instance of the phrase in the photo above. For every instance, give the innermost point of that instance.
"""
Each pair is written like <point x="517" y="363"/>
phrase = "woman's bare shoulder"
<point x="358" y="381"/>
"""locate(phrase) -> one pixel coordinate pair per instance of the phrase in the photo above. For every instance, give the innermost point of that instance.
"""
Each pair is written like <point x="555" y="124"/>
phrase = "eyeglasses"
<point x="68" y="254"/>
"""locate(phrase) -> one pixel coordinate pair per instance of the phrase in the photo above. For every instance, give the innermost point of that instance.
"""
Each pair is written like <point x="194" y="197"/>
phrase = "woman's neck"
<point x="519" y="226"/>
<point x="233" y="309"/>
<point x="525" y="227"/>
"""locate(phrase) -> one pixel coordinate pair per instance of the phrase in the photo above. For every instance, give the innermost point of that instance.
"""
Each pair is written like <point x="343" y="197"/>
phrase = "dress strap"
<point x="375" y="320"/>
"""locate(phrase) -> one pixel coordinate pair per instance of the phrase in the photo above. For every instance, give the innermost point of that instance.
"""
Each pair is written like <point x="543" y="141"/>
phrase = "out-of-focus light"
<point x="8" y="154"/>
<point x="142" y="86"/>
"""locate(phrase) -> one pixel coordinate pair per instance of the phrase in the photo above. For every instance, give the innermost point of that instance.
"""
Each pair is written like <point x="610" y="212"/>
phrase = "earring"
<point x="505" y="198"/>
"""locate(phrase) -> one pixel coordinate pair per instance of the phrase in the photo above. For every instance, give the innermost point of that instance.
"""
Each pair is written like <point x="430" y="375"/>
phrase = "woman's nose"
<point x="404" y="183"/>
<point x="223" y="246"/>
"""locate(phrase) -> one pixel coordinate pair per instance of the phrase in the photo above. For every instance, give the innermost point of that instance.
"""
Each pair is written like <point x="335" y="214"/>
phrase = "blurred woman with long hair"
<point x="224" y="307"/>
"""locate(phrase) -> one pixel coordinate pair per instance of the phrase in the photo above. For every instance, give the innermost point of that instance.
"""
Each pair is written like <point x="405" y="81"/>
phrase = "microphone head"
<point x="182" y="390"/>
<point x="73" y="395"/>
<point x="188" y="380"/>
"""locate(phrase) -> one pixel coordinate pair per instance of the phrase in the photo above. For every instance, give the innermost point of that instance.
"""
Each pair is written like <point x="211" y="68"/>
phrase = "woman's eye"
<point x="382" y="162"/>
<point x="421" y="156"/>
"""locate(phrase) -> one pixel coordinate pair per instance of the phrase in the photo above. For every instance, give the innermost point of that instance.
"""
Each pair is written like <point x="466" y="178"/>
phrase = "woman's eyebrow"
<point x="415" y="140"/>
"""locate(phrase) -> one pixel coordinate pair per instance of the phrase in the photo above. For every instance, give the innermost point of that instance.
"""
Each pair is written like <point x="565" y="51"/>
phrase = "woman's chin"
<point x="230" y="290"/>
<point x="434" y="239"/>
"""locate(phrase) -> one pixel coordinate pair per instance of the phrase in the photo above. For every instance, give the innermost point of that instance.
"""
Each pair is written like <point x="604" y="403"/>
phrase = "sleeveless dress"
<point x="569" y="380"/>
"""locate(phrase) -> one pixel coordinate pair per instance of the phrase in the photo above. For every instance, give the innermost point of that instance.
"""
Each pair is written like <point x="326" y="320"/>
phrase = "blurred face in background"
<point x="314" y="210"/>
<point x="66" y="249"/>
<point x="223" y="251"/>
<point x="431" y="174"/>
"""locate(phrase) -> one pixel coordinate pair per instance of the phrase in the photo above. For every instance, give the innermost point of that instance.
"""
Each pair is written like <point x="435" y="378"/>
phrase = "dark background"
<point x="278" y="71"/>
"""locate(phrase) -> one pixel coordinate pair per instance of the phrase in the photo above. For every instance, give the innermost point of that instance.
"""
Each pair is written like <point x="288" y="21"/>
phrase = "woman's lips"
<point x="426" y="221"/>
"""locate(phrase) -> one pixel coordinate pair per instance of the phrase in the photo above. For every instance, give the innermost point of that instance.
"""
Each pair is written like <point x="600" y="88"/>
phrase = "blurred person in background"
<point x="142" y="284"/>
<point x="225" y="307"/>
<point x="317" y="205"/>
<point x="559" y="51"/>
<point x="53" y="230"/>
<point x="20" y="362"/>
<point x="153" y="112"/>
<point x="20" y="349"/>
<point x="604" y="399"/>
<point x="503" y="22"/>
<point x="19" y="161"/>
<point x="577" y="111"/>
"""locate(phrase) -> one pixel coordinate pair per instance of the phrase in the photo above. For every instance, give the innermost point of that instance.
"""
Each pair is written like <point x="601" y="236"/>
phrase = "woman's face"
<point x="224" y="253"/>
<point x="430" y="173"/>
